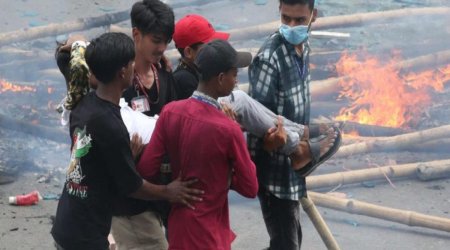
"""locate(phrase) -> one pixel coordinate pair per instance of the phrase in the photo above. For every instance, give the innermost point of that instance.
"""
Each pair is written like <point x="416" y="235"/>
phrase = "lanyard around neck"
<point x="301" y="66"/>
<point x="140" y="85"/>
<point x="206" y="99"/>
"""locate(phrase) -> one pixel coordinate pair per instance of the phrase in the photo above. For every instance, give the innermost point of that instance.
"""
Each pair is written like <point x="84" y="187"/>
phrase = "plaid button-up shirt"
<point x="279" y="79"/>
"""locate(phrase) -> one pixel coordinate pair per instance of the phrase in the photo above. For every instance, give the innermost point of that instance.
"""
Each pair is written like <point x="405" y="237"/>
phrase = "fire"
<point x="7" y="86"/>
<point x="380" y="95"/>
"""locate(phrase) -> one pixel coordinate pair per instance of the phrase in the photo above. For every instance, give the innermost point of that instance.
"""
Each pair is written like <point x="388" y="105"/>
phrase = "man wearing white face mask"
<point x="279" y="79"/>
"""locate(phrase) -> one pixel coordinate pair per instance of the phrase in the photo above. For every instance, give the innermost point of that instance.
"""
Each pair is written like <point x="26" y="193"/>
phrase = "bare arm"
<point x="176" y="192"/>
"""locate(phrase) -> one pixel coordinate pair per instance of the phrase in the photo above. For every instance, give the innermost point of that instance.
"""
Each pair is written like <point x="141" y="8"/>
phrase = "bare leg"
<point x="303" y="154"/>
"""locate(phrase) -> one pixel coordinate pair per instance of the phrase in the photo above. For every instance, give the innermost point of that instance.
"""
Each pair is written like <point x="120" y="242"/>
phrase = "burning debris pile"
<point x="380" y="95"/>
<point x="392" y="96"/>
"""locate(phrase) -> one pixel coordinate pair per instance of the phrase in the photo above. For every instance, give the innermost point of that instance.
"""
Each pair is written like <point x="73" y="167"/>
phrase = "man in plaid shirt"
<point x="279" y="79"/>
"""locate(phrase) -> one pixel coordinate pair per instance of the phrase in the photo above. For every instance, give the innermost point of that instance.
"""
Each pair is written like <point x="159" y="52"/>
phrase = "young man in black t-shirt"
<point x="101" y="166"/>
<point x="153" y="85"/>
<point x="137" y="224"/>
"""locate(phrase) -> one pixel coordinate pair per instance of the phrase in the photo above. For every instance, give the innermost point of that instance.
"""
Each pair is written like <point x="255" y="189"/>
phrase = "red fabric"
<point x="193" y="29"/>
<point x="202" y="143"/>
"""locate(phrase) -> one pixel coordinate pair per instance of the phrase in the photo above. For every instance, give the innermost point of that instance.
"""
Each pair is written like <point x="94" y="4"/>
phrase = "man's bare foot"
<point x="315" y="130"/>
<point x="304" y="154"/>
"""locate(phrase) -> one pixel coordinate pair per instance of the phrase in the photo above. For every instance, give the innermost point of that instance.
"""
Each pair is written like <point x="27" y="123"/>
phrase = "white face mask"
<point x="296" y="35"/>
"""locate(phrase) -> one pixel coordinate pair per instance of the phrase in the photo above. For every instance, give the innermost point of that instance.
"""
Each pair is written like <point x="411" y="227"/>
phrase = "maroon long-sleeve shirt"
<point x="202" y="143"/>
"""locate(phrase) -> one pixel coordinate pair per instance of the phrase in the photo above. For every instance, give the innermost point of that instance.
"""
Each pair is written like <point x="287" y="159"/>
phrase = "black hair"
<point x="153" y="17"/>
<point x="194" y="46"/>
<point x="214" y="58"/>
<point x="62" y="60"/>
<point x="310" y="3"/>
<point x="107" y="54"/>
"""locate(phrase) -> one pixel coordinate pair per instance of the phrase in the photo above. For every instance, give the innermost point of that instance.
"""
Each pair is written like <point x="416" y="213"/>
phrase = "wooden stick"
<point x="405" y="217"/>
<point x="319" y="223"/>
<point x="55" y="29"/>
<point x="52" y="134"/>
<point x="398" y="142"/>
<point x="371" y="130"/>
<point x="423" y="170"/>
<point x="340" y="21"/>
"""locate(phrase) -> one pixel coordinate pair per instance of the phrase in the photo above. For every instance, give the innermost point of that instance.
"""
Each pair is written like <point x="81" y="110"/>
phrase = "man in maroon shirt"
<point x="203" y="143"/>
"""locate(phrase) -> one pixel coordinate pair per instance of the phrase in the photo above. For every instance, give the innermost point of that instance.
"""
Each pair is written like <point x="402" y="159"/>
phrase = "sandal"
<point x="314" y="147"/>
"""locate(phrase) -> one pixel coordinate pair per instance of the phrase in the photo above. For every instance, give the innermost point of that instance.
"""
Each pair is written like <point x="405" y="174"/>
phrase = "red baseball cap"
<point x="193" y="29"/>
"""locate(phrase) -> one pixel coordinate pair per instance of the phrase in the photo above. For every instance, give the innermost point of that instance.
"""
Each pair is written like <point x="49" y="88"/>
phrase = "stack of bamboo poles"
<point x="424" y="171"/>
<point x="409" y="218"/>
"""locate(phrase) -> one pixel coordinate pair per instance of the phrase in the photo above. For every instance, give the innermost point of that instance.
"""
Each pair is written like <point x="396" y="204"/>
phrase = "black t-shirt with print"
<point x="101" y="169"/>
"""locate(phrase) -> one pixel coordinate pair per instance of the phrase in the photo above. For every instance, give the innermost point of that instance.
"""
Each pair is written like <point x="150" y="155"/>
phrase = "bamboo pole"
<point x="371" y="130"/>
<point x="340" y="21"/>
<point x="319" y="223"/>
<point x="425" y="171"/>
<point x="439" y="145"/>
<point x="405" y="217"/>
<point x="398" y="142"/>
<point x="55" y="29"/>
<point x="49" y="133"/>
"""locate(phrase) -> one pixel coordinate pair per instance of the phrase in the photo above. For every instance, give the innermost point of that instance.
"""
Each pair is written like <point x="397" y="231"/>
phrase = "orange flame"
<point x="380" y="95"/>
<point x="7" y="86"/>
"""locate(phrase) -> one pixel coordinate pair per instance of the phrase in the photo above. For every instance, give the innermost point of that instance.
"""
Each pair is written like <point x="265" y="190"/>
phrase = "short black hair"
<point x="153" y="17"/>
<point x="310" y="3"/>
<point x="218" y="56"/>
<point x="194" y="46"/>
<point x="107" y="54"/>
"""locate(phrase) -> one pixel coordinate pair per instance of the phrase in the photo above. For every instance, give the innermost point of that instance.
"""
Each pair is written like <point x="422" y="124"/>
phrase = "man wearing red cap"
<point x="190" y="33"/>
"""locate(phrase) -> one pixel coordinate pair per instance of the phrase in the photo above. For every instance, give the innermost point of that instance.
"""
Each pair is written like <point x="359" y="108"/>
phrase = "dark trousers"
<point x="58" y="247"/>
<point x="282" y="218"/>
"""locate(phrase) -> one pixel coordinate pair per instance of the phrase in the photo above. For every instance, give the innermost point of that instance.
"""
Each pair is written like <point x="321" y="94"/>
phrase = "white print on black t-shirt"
<point x="81" y="146"/>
